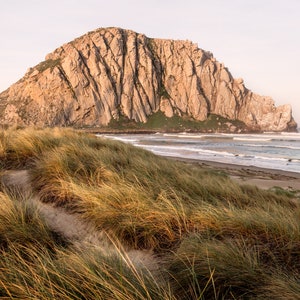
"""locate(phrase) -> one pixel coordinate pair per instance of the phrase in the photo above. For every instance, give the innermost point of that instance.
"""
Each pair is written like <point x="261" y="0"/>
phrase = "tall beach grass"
<point x="212" y="238"/>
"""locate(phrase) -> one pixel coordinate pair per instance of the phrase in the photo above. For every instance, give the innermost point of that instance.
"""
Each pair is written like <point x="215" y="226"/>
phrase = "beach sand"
<point x="260" y="177"/>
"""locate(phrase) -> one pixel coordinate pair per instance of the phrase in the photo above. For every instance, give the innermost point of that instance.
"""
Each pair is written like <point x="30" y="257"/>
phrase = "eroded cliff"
<point x="111" y="73"/>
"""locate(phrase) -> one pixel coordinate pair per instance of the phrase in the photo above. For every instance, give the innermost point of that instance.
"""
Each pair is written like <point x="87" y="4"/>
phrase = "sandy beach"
<point x="260" y="177"/>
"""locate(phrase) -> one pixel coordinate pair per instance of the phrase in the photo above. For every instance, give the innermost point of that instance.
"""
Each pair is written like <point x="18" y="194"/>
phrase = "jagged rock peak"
<point x="111" y="73"/>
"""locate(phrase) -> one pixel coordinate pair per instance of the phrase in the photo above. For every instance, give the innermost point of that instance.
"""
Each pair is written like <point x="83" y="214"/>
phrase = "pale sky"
<point x="257" y="40"/>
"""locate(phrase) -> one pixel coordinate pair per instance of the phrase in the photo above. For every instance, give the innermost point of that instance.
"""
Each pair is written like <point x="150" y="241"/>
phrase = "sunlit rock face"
<point x="112" y="72"/>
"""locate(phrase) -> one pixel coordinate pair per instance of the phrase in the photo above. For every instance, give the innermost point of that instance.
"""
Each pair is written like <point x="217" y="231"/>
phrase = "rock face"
<point x="111" y="72"/>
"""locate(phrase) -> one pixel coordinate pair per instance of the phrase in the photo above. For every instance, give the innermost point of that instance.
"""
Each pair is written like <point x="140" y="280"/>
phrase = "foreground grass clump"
<point x="212" y="238"/>
<point x="36" y="263"/>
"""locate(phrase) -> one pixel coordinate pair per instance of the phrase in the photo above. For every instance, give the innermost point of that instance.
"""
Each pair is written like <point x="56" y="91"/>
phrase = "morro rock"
<point x="111" y="73"/>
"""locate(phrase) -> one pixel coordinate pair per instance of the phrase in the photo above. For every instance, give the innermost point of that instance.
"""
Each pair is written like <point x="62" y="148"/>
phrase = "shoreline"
<point x="261" y="177"/>
<point x="182" y="131"/>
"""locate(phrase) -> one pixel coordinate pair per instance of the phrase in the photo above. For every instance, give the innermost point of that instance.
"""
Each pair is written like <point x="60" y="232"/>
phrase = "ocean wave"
<point x="273" y="151"/>
<point x="246" y="156"/>
<point x="291" y="134"/>
<point x="121" y="139"/>
<point x="184" y="136"/>
<point x="271" y="146"/>
<point x="171" y="134"/>
<point x="163" y="147"/>
<point x="270" y="158"/>
<point x="213" y="152"/>
<point x="173" y="154"/>
<point x="250" y="139"/>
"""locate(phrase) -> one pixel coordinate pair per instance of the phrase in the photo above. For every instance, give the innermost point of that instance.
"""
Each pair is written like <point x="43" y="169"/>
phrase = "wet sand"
<point x="260" y="177"/>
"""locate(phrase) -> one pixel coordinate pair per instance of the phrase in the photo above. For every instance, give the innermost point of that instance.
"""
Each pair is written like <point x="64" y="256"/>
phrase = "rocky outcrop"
<point x="111" y="73"/>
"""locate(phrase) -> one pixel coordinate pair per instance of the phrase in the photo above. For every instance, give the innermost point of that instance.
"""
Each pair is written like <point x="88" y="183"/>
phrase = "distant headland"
<point x="117" y="79"/>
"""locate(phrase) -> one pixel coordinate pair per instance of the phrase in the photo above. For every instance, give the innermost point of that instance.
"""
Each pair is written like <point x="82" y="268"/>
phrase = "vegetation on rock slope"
<point x="211" y="238"/>
<point x="159" y="122"/>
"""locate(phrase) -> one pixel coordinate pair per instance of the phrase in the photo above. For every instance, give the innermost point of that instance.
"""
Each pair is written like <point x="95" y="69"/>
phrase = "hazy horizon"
<point x="256" y="40"/>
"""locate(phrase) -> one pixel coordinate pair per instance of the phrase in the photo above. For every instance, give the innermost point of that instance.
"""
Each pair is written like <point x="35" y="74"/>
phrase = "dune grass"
<point x="213" y="239"/>
<point x="36" y="263"/>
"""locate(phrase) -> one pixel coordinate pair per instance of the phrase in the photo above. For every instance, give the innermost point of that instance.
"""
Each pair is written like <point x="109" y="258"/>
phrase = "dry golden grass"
<point x="36" y="263"/>
<point x="213" y="238"/>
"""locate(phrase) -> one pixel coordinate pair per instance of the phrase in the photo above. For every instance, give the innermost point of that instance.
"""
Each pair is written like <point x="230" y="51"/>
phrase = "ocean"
<point x="279" y="151"/>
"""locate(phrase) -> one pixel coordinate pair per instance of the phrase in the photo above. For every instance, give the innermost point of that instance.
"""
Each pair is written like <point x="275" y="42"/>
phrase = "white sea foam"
<point x="291" y="133"/>
<point x="122" y="139"/>
<point x="184" y="136"/>
<point x="250" y="139"/>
